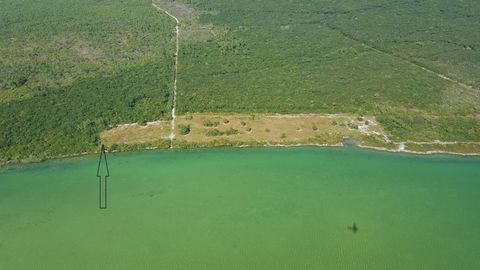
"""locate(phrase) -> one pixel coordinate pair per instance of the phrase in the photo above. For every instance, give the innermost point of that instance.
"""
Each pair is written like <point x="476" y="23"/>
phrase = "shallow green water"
<point x="244" y="209"/>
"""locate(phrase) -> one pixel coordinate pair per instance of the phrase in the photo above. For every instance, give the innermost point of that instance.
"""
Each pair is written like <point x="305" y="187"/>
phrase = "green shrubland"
<point x="351" y="56"/>
<point x="70" y="69"/>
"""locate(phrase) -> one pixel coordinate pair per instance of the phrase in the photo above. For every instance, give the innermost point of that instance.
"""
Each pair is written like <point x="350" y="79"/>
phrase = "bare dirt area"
<point x="263" y="128"/>
<point x="270" y="129"/>
<point x="214" y="130"/>
<point x="136" y="134"/>
<point x="266" y="129"/>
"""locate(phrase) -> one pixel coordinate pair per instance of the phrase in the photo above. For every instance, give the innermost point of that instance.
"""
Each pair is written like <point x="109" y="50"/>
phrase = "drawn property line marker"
<point x="175" y="74"/>
<point x="102" y="174"/>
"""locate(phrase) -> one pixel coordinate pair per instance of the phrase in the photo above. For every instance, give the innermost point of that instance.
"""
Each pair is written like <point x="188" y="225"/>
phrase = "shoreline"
<point x="411" y="152"/>
<point x="266" y="145"/>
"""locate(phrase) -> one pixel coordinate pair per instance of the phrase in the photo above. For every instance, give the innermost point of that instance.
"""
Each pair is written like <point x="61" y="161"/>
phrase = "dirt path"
<point x="174" y="107"/>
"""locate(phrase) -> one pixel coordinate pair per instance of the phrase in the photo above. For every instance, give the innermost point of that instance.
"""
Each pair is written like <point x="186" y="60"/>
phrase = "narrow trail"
<point x="174" y="106"/>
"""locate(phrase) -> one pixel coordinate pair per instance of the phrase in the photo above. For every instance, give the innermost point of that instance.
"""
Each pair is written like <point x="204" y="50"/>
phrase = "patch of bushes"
<point x="216" y="132"/>
<point x="184" y="129"/>
<point x="231" y="131"/>
<point x="422" y="127"/>
<point x="352" y="125"/>
<point x="142" y="122"/>
<point x="210" y="123"/>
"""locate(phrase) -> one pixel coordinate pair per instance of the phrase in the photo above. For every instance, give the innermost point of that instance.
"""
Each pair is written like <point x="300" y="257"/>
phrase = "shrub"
<point x="231" y="131"/>
<point x="113" y="147"/>
<point x="142" y="122"/>
<point x="210" y="123"/>
<point x="214" y="132"/>
<point x="184" y="129"/>
<point x="352" y="125"/>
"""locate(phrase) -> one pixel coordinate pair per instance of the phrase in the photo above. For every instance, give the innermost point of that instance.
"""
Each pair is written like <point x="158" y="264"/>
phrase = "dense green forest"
<point x="369" y="57"/>
<point x="70" y="69"/>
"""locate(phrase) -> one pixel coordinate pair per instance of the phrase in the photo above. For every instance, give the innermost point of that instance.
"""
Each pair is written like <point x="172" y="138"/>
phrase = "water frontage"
<point x="278" y="208"/>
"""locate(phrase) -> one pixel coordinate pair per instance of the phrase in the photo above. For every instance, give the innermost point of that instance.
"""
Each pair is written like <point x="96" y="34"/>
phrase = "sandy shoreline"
<point x="426" y="153"/>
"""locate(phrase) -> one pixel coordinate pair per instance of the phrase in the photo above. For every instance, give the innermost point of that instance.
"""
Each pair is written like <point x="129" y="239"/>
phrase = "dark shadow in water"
<point x="353" y="228"/>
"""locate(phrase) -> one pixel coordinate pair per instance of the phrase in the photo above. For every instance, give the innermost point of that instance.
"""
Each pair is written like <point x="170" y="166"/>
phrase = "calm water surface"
<point x="244" y="209"/>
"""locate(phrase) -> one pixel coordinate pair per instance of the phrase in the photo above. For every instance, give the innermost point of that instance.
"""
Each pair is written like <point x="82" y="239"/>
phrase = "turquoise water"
<point x="244" y="209"/>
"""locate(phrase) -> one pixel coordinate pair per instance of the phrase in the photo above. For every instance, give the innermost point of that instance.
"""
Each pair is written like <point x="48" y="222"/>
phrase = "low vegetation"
<point x="424" y="127"/>
<point x="216" y="132"/>
<point x="210" y="123"/>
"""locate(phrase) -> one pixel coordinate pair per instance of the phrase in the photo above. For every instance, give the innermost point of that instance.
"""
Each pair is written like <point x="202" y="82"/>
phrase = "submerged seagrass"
<point x="244" y="209"/>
